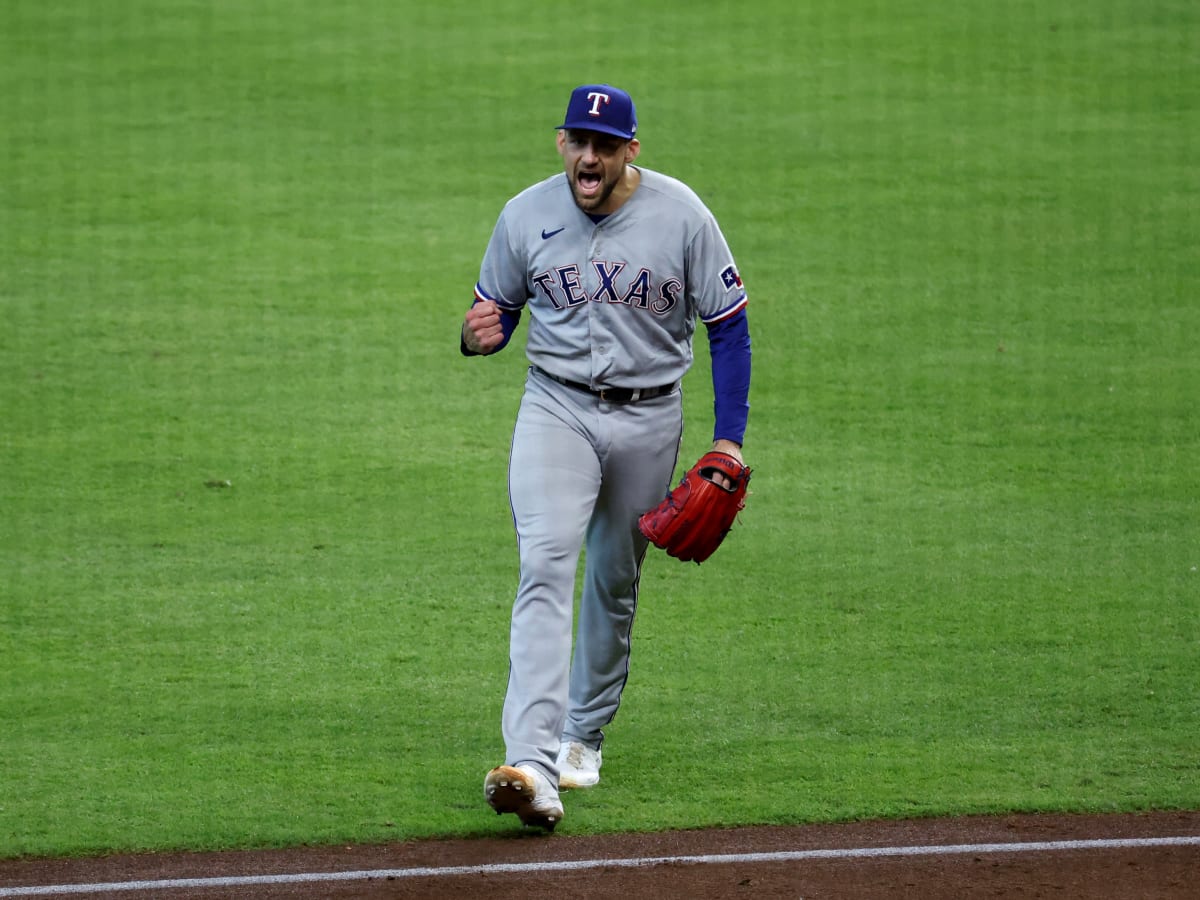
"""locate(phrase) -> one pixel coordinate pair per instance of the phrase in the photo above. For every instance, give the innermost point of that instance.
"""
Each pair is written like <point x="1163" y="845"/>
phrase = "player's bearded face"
<point x="595" y="165"/>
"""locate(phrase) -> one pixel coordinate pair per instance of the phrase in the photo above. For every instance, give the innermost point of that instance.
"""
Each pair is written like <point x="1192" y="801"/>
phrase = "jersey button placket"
<point x="597" y="334"/>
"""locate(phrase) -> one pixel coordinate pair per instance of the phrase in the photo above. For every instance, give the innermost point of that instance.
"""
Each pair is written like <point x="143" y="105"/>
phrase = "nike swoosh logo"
<point x="546" y="235"/>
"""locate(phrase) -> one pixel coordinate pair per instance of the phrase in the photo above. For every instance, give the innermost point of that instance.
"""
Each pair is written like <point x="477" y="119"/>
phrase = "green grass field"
<point x="255" y="550"/>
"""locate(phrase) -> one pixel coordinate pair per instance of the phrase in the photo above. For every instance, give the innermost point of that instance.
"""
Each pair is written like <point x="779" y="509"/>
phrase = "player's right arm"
<point x="492" y="318"/>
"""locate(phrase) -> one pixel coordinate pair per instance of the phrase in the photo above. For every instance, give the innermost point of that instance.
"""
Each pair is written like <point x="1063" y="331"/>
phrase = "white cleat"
<point x="578" y="765"/>
<point x="525" y="791"/>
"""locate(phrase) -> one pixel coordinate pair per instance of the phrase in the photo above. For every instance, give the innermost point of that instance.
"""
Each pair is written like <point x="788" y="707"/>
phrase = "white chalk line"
<point x="577" y="865"/>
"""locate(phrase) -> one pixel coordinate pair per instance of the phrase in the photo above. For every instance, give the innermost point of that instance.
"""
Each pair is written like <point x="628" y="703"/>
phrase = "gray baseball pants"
<point x="581" y="471"/>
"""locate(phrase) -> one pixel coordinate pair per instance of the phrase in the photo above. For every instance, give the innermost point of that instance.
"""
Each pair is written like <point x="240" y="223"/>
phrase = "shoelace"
<point x="575" y="756"/>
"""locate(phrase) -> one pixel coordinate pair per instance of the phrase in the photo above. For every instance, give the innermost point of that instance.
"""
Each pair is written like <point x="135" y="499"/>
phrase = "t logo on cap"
<point x="596" y="97"/>
<point x="603" y="108"/>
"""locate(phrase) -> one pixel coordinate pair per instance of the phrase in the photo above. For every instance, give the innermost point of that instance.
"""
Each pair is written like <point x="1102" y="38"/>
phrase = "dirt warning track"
<point x="1153" y="855"/>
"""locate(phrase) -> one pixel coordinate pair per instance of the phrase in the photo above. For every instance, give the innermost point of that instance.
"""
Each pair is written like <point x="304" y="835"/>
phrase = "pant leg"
<point x="637" y="464"/>
<point x="554" y="478"/>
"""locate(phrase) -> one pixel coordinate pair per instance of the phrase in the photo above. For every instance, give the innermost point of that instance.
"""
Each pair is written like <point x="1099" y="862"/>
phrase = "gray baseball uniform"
<point x="612" y="304"/>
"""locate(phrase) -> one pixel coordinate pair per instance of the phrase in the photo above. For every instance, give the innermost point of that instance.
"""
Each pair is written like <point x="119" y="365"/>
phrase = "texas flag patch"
<point x="730" y="277"/>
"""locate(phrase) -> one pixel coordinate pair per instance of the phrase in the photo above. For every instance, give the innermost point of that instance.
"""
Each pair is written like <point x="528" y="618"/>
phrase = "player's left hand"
<point x="734" y="450"/>
<point x="692" y="521"/>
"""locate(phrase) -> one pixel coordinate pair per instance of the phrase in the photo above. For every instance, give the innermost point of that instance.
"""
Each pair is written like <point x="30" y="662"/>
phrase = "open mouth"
<point x="589" y="182"/>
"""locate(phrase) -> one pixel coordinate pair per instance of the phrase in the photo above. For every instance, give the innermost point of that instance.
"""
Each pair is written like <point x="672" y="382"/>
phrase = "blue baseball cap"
<point x="604" y="108"/>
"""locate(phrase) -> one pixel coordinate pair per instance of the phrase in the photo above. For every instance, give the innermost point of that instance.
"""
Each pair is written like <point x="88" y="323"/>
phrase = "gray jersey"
<point x="612" y="304"/>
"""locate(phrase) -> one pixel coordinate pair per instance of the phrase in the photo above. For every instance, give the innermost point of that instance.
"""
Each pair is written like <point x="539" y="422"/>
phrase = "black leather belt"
<point x="612" y="394"/>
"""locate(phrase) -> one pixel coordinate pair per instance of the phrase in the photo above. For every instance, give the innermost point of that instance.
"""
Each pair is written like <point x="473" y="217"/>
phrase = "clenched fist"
<point x="482" y="331"/>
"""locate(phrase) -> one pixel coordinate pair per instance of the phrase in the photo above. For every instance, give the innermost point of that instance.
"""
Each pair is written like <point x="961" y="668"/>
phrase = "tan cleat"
<point x="525" y="791"/>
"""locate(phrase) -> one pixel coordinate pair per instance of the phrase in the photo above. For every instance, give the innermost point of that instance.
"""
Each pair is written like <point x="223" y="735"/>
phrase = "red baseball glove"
<point x="695" y="517"/>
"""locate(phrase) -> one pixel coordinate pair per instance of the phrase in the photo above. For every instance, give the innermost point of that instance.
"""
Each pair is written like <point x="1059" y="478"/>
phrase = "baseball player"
<point x="615" y="264"/>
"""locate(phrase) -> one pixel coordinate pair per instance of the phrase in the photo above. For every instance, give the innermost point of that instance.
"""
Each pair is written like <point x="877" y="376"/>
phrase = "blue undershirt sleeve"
<point x="729" y="345"/>
<point x="508" y="324"/>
